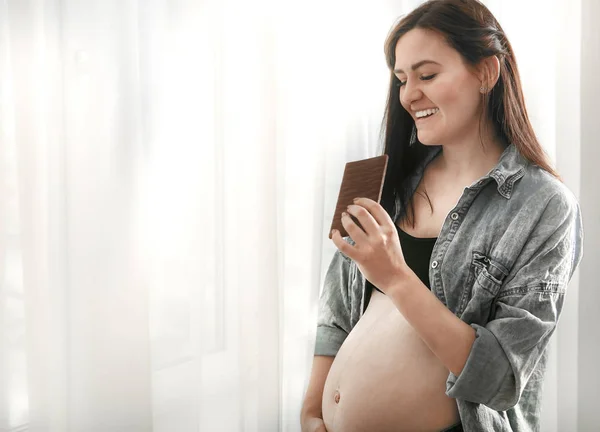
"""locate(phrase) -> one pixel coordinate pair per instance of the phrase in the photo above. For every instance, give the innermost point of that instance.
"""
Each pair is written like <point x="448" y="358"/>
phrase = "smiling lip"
<point x="420" y="119"/>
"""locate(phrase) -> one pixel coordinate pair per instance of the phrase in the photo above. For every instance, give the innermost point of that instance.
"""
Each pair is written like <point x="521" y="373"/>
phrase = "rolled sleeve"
<point x="334" y="314"/>
<point x="526" y="311"/>
<point x="487" y="376"/>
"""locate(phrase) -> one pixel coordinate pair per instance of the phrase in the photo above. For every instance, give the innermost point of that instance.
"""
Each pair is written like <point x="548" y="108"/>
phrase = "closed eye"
<point x="423" y="78"/>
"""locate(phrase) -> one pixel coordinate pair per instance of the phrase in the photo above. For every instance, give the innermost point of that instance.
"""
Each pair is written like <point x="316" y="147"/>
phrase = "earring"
<point x="413" y="136"/>
<point x="483" y="89"/>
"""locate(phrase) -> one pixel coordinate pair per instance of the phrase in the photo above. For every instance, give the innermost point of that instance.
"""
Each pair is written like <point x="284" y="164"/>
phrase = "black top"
<point x="417" y="254"/>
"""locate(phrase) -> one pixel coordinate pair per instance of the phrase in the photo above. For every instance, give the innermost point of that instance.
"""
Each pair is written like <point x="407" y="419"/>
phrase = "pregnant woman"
<point x="436" y="315"/>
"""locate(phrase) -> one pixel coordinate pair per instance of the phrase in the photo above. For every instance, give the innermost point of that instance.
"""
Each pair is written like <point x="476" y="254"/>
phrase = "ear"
<point x="489" y="71"/>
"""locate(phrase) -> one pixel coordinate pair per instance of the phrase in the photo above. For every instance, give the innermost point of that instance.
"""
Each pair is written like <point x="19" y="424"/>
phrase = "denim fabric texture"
<point x="501" y="263"/>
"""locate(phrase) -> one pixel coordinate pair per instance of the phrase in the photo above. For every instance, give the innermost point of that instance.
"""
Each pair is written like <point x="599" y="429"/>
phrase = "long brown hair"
<point x="471" y="29"/>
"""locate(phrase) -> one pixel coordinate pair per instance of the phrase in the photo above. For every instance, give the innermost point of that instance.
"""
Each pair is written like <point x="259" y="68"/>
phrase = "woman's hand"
<point x="314" y="424"/>
<point x="377" y="251"/>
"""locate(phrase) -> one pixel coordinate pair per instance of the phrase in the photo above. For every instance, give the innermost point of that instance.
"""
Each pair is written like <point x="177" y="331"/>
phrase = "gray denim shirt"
<point x="501" y="263"/>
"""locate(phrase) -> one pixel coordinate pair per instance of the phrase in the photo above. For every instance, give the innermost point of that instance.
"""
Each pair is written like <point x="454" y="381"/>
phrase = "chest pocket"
<point x="486" y="277"/>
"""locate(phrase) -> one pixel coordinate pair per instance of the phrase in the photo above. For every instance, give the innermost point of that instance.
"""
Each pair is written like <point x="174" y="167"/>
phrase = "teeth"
<point x="427" y="112"/>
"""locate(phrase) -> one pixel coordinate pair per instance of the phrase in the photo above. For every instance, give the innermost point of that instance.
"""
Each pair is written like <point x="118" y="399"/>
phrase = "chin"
<point x="427" y="141"/>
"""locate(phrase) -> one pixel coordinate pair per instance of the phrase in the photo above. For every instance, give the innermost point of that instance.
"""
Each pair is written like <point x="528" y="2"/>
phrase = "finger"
<point x="343" y="246"/>
<point x="356" y="233"/>
<point x="366" y="220"/>
<point x="376" y="210"/>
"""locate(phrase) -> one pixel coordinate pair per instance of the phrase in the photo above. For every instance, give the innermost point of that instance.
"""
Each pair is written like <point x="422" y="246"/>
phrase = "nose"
<point x="409" y="93"/>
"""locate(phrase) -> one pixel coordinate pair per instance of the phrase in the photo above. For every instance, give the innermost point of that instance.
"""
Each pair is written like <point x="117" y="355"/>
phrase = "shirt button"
<point x="337" y="397"/>
<point x="454" y="216"/>
<point x="434" y="264"/>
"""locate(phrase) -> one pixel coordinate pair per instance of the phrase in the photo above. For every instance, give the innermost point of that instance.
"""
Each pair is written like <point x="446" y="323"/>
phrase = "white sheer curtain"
<point x="168" y="173"/>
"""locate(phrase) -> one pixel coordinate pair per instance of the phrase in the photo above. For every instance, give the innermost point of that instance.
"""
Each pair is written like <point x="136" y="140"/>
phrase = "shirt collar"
<point x="510" y="168"/>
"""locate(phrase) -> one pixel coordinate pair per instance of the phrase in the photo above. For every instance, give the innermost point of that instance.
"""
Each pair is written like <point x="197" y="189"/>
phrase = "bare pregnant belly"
<point x="384" y="378"/>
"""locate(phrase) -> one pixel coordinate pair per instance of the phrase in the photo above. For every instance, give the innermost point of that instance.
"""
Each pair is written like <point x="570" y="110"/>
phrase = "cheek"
<point x="447" y="93"/>
<point x="455" y="101"/>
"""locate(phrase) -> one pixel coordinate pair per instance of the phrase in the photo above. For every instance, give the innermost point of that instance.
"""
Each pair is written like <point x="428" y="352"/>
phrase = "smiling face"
<point x="440" y="81"/>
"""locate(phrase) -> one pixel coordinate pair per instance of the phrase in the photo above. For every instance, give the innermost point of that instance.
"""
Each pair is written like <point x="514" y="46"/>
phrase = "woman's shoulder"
<point x="537" y="187"/>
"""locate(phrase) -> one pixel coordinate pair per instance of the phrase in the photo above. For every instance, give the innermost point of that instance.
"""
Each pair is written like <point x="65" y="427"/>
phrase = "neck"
<point x="469" y="160"/>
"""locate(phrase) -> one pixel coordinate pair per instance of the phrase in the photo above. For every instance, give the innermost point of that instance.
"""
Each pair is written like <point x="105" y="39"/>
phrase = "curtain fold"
<point x="168" y="175"/>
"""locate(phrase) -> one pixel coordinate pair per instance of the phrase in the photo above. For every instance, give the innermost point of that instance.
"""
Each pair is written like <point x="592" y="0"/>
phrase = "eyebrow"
<point x="418" y="65"/>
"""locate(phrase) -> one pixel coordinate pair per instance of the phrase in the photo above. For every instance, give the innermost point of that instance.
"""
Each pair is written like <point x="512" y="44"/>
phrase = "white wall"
<point x="589" y="294"/>
<point x="560" y="408"/>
